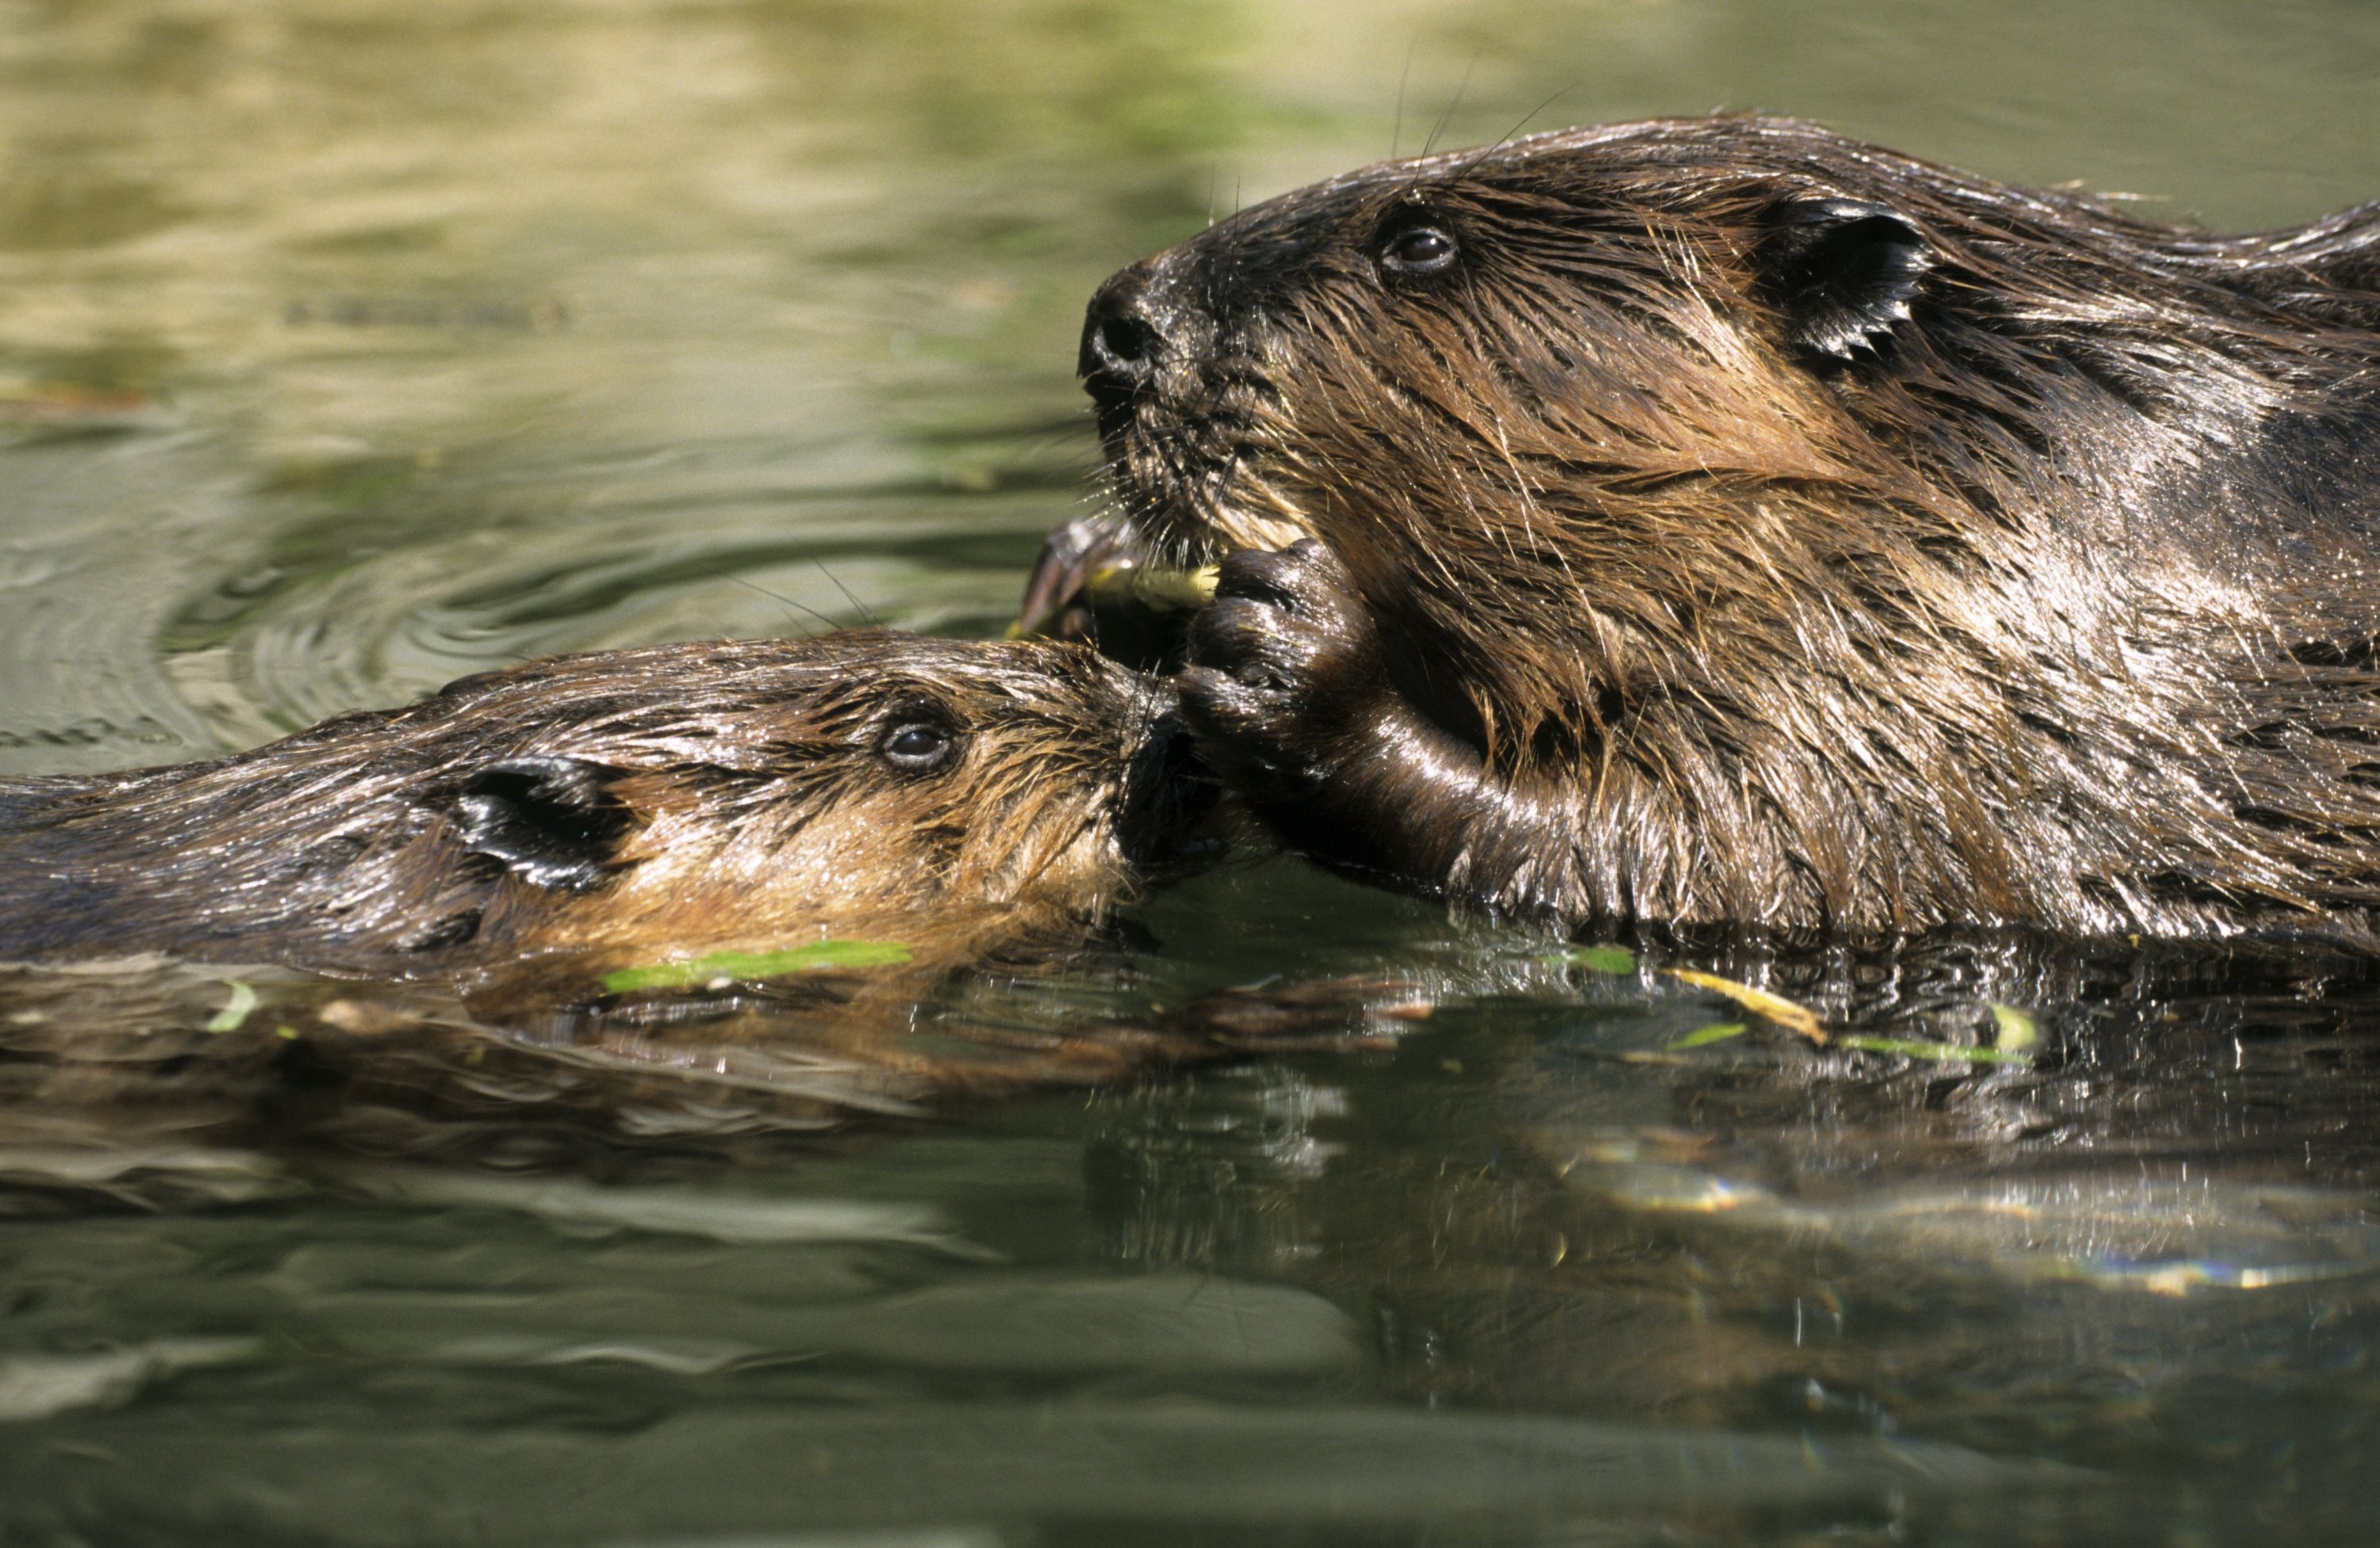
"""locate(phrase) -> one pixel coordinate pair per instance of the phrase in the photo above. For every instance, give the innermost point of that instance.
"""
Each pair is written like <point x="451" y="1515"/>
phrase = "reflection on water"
<point x="348" y="347"/>
<point x="1542" y="1267"/>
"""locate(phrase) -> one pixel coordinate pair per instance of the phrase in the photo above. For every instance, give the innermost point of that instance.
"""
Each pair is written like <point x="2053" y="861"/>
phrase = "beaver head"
<point x="1834" y="539"/>
<point x="643" y="803"/>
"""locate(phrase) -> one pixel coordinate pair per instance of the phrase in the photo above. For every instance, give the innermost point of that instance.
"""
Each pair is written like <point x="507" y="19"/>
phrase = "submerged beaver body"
<point x="1722" y="521"/>
<point x="631" y="805"/>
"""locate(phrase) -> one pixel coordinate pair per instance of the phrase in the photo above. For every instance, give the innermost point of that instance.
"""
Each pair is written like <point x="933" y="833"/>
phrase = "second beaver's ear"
<point x="551" y="821"/>
<point x="1841" y="272"/>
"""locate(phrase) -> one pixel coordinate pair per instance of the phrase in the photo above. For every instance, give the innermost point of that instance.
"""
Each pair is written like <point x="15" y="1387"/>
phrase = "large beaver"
<point x="636" y="804"/>
<point x="1721" y="520"/>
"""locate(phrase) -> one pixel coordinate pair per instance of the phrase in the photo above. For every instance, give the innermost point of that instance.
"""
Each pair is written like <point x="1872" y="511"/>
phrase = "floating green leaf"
<point x="1910" y="1048"/>
<point x="2017" y="1032"/>
<point x="1718" y="1032"/>
<point x="1767" y="1006"/>
<point x="235" y="1011"/>
<point x="1602" y="960"/>
<point x="757" y="965"/>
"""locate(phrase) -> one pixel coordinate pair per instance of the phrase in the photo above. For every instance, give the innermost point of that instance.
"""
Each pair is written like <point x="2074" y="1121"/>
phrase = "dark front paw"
<point x="1285" y="680"/>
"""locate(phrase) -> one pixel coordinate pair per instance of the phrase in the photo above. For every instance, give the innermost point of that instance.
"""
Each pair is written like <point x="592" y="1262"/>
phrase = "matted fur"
<point x="745" y="802"/>
<point x="2054" y="602"/>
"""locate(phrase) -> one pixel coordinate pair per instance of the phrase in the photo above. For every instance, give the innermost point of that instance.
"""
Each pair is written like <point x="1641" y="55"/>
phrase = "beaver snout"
<point x="1167" y="792"/>
<point x="1123" y="337"/>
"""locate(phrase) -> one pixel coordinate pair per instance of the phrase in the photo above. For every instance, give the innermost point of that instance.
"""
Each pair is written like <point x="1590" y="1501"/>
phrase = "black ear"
<point x="1842" y="272"/>
<point x="551" y="821"/>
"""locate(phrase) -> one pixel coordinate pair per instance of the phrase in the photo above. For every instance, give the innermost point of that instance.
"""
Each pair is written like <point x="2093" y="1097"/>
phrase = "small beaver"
<point x="1722" y="521"/>
<point x="634" y="804"/>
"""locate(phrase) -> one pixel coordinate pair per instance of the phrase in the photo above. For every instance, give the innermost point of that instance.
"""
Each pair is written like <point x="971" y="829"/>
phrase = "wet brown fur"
<point x="712" y="797"/>
<point x="2050" y="596"/>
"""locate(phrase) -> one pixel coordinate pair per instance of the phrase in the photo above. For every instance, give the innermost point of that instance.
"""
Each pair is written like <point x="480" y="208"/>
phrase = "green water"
<point x="348" y="347"/>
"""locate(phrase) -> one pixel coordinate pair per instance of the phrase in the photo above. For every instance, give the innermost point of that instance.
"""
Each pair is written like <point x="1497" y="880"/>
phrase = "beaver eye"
<point x="916" y="745"/>
<point x="1419" y="249"/>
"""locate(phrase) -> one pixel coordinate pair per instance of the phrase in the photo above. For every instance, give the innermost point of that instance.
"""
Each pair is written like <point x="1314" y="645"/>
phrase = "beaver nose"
<point x="1121" y="342"/>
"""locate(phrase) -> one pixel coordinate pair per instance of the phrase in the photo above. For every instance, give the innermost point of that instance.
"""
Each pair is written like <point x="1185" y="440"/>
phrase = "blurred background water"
<point x="348" y="346"/>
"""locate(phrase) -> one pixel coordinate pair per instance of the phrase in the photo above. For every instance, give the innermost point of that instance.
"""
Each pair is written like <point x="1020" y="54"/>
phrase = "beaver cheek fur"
<point x="1737" y="525"/>
<point x="915" y="866"/>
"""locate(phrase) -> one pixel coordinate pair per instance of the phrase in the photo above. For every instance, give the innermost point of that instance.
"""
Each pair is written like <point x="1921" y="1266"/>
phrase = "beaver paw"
<point x="1285" y="673"/>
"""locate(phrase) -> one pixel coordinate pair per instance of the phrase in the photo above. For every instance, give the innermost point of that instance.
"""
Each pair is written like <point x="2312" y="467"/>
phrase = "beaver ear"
<point x="551" y="821"/>
<point x="1842" y="272"/>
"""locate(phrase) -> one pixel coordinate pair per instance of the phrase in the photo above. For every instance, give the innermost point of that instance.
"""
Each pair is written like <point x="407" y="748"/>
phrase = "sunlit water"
<point x="348" y="347"/>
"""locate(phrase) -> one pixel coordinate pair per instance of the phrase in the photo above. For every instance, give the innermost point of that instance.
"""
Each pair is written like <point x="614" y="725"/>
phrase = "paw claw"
<point x="1285" y="665"/>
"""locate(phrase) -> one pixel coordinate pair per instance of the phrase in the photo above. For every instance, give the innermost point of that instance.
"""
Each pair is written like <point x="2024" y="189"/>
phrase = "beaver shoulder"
<point x="1731" y="522"/>
<point x="645" y="803"/>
